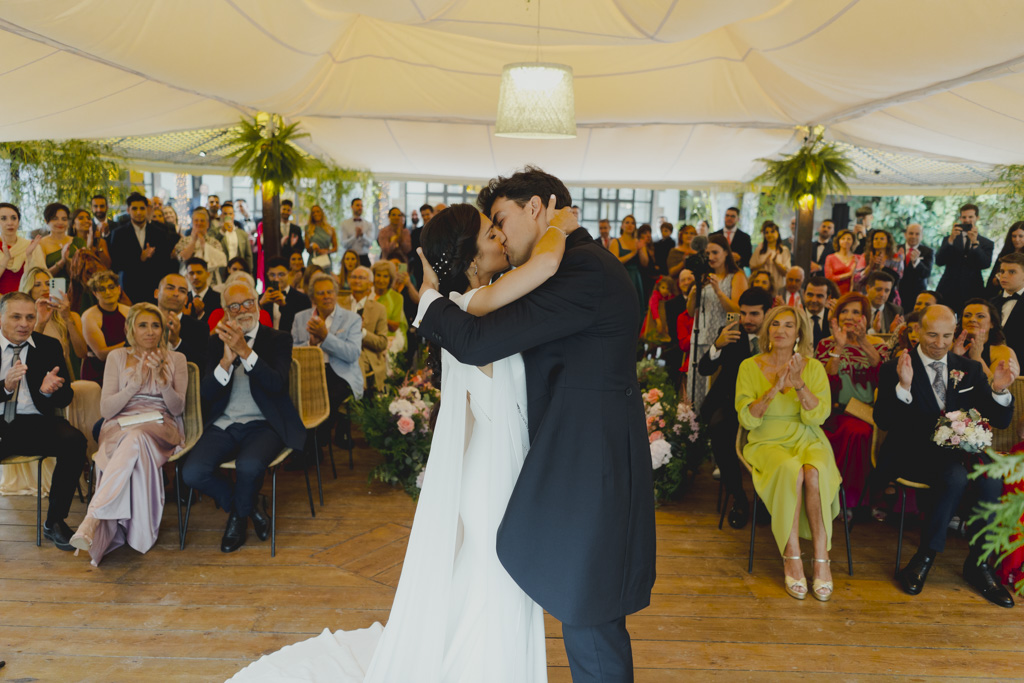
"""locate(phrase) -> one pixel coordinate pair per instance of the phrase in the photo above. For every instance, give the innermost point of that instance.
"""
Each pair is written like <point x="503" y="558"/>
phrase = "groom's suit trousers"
<point x="599" y="654"/>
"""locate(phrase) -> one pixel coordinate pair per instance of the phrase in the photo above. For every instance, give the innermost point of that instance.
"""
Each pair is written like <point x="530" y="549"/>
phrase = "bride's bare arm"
<point x="543" y="263"/>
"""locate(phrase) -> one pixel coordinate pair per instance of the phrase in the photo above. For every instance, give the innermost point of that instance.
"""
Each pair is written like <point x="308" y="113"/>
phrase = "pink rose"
<point x="405" y="424"/>
<point x="959" y="427"/>
<point x="955" y="440"/>
<point x="661" y="423"/>
<point x="655" y="436"/>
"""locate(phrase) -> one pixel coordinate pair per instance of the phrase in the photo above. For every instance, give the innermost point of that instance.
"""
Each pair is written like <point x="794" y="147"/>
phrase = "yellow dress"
<point x="785" y="439"/>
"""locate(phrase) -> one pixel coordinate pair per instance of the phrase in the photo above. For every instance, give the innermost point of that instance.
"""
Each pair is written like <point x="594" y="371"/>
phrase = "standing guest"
<point x="291" y="234"/>
<point x="917" y="265"/>
<point x="782" y="397"/>
<point x="238" y="265"/>
<point x="307" y="274"/>
<point x="790" y="292"/>
<point x="129" y="499"/>
<point x="103" y="325"/>
<point x="739" y="241"/>
<point x="722" y="289"/>
<point x="1010" y="277"/>
<point x="184" y="334"/>
<point x="842" y="264"/>
<point x="702" y="228"/>
<point x="358" y="233"/>
<point x="202" y="244"/>
<point x="822" y="246"/>
<point x="676" y="259"/>
<point x="979" y="336"/>
<point x="55" y="319"/>
<point x="880" y="256"/>
<point x="926" y="299"/>
<point x="762" y="280"/>
<point x="820" y="296"/>
<point x="384" y="276"/>
<point x="349" y="262"/>
<point x="680" y="329"/>
<point x="99" y="216"/>
<point x="280" y="299"/>
<point x="373" y="358"/>
<point x="36" y="384"/>
<point x="648" y="272"/>
<point x="170" y="219"/>
<point x="251" y="417"/>
<point x="321" y="238"/>
<point x="203" y="299"/>
<point x="631" y="253"/>
<point x="234" y="240"/>
<point x="914" y="391"/>
<point x="58" y="247"/>
<point x="862" y="228"/>
<point x="410" y="301"/>
<point x="772" y="256"/>
<point x="735" y="342"/>
<point x="604" y="231"/>
<point x="14" y="250"/>
<point x="884" y="316"/>
<point x="1013" y="244"/>
<point x="662" y="248"/>
<point x="140" y="252"/>
<point x="296" y="270"/>
<point x="82" y="227"/>
<point x="852" y="359"/>
<point x="965" y="253"/>
<point x="415" y="265"/>
<point x="85" y="264"/>
<point x="394" y="238"/>
<point x="213" y="207"/>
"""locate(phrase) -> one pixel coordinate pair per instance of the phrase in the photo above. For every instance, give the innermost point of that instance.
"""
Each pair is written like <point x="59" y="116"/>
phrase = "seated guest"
<point x="819" y="297"/>
<point x="762" y="280"/>
<point x="349" y="262"/>
<point x="185" y="334"/>
<point x="926" y="299"/>
<point x="84" y="265"/>
<point x="238" y="265"/>
<point x="384" y="275"/>
<point x="883" y="316"/>
<point x="307" y="274"/>
<point x="790" y="293"/>
<point x="296" y="269"/>
<point x="782" y="397"/>
<point x="103" y="324"/>
<point x="909" y="335"/>
<point x="1011" y="284"/>
<point x="1013" y="244"/>
<point x="979" y="336"/>
<point x="280" y="299"/>
<point x="202" y="245"/>
<point x="147" y="378"/>
<point x="216" y="316"/>
<point x="851" y="358"/>
<point x="35" y="385"/>
<point x="913" y="392"/>
<point x="65" y="326"/>
<point x="203" y="299"/>
<point x="251" y="417"/>
<point x="736" y="342"/>
<point x="373" y="358"/>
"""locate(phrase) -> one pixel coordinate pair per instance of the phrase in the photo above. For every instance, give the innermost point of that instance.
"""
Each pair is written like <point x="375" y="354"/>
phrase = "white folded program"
<point x="140" y="418"/>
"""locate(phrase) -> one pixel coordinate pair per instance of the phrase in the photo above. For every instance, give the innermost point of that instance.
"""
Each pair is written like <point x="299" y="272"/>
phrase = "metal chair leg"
<point x="899" y="541"/>
<point x="724" y="504"/>
<point x="753" y="530"/>
<point x="273" y="510"/>
<point x="316" y="460"/>
<point x="846" y="527"/>
<point x="39" y="502"/>
<point x="309" y="490"/>
<point x="718" y="505"/>
<point x="188" y="513"/>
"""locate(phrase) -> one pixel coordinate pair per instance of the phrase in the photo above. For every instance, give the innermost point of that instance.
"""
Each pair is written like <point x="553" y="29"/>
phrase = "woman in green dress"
<point x="632" y="254"/>
<point x="384" y="276"/>
<point x="321" y="238"/>
<point x="58" y="248"/>
<point x="782" y="397"/>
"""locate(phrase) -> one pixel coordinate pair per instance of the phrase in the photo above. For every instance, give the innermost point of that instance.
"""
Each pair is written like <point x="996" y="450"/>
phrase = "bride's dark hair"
<point x="448" y="241"/>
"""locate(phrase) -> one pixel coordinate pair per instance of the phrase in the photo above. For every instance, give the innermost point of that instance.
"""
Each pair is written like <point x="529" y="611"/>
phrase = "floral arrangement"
<point x="967" y="431"/>
<point x="397" y="424"/>
<point x="672" y="429"/>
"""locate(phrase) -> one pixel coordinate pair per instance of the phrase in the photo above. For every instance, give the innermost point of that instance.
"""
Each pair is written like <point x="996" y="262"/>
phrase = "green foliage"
<point x="267" y="153"/>
<point x="818" y="169"/>
<point x="1004" y="533"/>
<point x="66" y="171"/>
<point x="328" y="185"/>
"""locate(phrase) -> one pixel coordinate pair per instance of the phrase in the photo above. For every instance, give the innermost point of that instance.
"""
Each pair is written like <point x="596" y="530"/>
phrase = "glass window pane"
<point x="625" y="209"/>
<point x="455" y="189"/>
<point x="609" y="193"/>
<point x="577" y="194"/>
<point x="413" y="201"/>
<point x="416" y="187"/>
<point x="643" y="213"/>
<point x="625" y="194"/>
<point x="590" y="211"/>
<point x="642" y="195"/>
<point x="592" y="193"/>
<point x="436" y="199"/>
<point x="608" y="211"/>
<point x="435" y="187"/>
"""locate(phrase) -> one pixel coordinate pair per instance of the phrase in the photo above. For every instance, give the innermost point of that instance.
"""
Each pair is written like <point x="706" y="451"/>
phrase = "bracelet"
<point x="801" y="387"/>
<point x="560" y="231"/>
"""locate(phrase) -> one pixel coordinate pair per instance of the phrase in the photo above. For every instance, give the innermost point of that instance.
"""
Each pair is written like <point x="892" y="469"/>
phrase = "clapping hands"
<point x="51" y="382"/>
<point x="1004" y="374"/>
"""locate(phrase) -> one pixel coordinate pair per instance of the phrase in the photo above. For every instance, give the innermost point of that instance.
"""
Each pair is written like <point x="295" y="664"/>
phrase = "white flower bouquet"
<point x="963" y="430"/>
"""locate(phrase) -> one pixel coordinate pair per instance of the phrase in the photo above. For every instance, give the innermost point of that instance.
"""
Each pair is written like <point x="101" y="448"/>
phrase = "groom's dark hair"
<point x="520" y="186"/>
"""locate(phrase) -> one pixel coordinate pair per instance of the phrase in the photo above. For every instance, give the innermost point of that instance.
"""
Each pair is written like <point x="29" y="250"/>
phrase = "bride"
<point x="457" y="614"/>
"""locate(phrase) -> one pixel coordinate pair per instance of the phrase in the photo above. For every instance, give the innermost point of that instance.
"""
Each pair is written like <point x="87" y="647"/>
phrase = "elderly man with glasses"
<point x="251" y="417"/>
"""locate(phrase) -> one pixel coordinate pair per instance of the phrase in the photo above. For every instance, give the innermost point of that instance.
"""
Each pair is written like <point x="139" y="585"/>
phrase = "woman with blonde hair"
<point x="65" y="326"/>
<point x="321" y="238"/>
<point x="384" y="276"/>
<point x="782" y="398"/>
<point x="142" y="402"/>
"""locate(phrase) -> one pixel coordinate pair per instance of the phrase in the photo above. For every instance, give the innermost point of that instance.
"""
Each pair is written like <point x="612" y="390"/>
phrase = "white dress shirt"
<point x="140" y="234"/>
<point x="25" y="404"/>
<point x="902" y="394"/>
<point x="1009" y="304"/>
<point x="224" y="376"/>
<point x="231" y="240"/>
<point x="276" y="315"/>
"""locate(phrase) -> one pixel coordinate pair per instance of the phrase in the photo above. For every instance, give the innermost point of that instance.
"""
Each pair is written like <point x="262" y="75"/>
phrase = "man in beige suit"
<point x="373" y="359"/>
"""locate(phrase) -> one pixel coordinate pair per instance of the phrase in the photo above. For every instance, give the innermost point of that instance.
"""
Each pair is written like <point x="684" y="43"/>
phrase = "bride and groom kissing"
<point x="537" y="492"/>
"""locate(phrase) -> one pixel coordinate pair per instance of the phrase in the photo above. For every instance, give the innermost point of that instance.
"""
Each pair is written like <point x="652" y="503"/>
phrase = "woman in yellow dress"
<point x="782" y="397"/>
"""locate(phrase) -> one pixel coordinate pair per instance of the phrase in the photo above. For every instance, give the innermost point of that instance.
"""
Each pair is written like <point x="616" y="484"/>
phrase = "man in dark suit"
<point x="140" y="252"/>
<point x="736" y="342"/>
<point x="251" y="417"/>
<point x="1007" y="302"/>
<point x="820" y="295"/>
<point x="35" y="385"/>
<point x="583" y="548"/>
<point x="662" y="247"/>
<point x="203" y="299"/>
<point x="913" y="392"/>
<point x="965" y="253"/>
<point x="917" y="267"/>
<point x="739" y="241"/>
<point x="822" y="247"/>
<point x="184" y="333"/>
<point x="279" y="300"/>
<point x="884" y="316"/>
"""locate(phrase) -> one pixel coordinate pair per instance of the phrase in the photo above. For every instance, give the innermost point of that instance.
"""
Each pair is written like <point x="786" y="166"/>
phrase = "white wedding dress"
<point x="457" y="617"/>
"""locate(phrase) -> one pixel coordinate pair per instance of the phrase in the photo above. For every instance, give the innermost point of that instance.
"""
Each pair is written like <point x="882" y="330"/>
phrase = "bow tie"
<point x="1011" y="297"/>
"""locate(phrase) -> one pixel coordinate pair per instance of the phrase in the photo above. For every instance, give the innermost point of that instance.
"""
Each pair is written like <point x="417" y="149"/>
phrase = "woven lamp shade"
<point x="536" y="101"/>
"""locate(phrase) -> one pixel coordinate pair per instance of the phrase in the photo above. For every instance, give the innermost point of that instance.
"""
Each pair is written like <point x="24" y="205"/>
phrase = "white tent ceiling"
<point x="668" y="92"/>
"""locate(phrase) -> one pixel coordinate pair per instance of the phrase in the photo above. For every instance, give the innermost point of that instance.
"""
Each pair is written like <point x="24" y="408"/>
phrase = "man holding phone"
<point x="965" y="253"/>
<point x="280" y="300"/>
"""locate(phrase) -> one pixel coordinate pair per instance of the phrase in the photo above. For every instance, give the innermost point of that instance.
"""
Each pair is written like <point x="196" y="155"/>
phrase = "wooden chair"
<point x="1003" y="440"/>
<point x="741" y="442"/>
<point x="26" y="460"/>
<point x="193" y="421"/>
<point x="314" y="405"/>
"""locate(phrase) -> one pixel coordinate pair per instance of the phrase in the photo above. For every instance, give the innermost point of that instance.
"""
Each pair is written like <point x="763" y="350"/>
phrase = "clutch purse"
<point x="860" y="410"/>
<point x="141" y="418"/>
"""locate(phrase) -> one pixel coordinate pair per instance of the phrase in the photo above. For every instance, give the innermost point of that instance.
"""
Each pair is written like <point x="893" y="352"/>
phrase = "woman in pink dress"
<point x="841" y="266"/>
<point x="144" y="383"/>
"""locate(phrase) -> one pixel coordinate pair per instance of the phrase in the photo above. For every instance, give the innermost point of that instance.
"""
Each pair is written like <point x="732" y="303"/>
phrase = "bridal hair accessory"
<point x="442" y="266"/>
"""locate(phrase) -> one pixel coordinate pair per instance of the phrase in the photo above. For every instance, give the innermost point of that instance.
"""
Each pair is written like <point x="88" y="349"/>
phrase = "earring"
<point x="475" y="269"/>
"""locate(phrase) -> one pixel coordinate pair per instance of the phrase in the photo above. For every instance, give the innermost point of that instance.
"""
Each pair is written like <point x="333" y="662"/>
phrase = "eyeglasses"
<point x="248" y="305"/>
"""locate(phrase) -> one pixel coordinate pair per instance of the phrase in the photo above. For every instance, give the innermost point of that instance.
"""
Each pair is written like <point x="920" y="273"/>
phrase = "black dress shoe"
<point x="260" y="521"/>
<point x="60" y="533"/>
<point x="234" y="535"/>
<point x="912" y="577"/>
<point x="984" y="580"/>
<point x="739" y="514"/>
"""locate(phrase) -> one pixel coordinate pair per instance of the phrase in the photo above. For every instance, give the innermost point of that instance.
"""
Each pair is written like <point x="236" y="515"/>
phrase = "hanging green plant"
<point x="816" y="169"/>
<point x="267" y="152"/>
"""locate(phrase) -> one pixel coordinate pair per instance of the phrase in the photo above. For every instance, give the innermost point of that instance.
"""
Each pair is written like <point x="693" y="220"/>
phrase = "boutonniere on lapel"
<point x="956" y="376"/>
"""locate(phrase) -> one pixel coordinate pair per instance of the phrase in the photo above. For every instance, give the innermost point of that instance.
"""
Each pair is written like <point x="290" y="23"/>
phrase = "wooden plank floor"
<point x="200" y="615"/>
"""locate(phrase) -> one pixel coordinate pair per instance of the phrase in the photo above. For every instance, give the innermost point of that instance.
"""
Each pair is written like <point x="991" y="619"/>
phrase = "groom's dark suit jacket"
<point x="578" y="533"/>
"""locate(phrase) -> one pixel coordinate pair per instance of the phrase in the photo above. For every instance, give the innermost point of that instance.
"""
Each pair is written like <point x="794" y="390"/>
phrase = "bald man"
<point x="794" y="282"/>
<point x="914" y="390"/>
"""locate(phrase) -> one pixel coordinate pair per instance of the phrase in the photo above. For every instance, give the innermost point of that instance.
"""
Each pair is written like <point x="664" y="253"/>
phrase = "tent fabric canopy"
<point x="668" y="93"/>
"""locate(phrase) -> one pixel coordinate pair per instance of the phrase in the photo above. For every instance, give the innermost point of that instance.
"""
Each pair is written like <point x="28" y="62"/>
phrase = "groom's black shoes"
<point x="984" y="580"/>
<point x="234" y="535"/>
<point x="912" y="577"/>
<point x="260" y="521"/>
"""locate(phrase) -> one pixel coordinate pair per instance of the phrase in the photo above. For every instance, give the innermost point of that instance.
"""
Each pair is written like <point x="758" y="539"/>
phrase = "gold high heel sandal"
<point x="792" y="584"/>
<point x="818" y="584"/>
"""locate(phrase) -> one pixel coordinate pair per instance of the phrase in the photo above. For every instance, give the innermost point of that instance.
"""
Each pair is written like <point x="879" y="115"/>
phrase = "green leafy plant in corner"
<point x="1003" y="532"/>
<point x="818" y="169"/>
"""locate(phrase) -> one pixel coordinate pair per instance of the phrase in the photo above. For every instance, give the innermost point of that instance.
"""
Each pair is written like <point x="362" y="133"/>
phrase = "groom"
<point x="578" y="533"/>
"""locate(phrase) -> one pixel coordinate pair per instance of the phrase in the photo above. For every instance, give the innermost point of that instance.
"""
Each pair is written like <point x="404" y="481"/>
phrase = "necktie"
<point x="755" y="346"/>
<point x="939" y="383"/>
<point x="11" y="408"/>
<point x="728" y="236"/>
<point x="817" y="325"/>
<point x="792" y="298"/>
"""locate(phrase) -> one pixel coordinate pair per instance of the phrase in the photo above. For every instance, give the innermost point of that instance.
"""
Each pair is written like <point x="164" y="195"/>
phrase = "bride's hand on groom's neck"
<point x="430" y="279"/>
